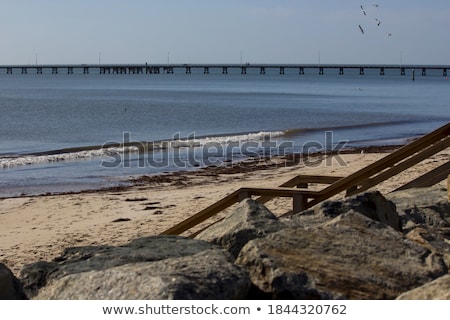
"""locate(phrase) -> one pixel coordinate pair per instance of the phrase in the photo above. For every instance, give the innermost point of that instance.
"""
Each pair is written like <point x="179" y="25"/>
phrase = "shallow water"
<point x="53" y="126"/>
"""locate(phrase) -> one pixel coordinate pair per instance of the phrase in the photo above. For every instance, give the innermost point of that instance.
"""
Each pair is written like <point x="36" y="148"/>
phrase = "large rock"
<point x="438" y="289"/>
<point x="205" y="275"/>
<point x="425" y="213"/>
<point x="84" y="259"/>
<point x="422" y="207"/>
<point x="350" y="256"/>
<point x="10" y="286"/>
<point x="249" y="221"/>
<point x="371" y="204"/>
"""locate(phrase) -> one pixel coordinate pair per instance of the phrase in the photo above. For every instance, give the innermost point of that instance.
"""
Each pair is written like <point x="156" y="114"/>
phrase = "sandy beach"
<point x="40" y="227"/>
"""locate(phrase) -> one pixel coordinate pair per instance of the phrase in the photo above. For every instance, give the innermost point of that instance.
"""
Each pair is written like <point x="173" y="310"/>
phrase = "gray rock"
<point x="83" y="259"/>
<point x="437" y="240"/>
<point x="10" y="286"/>
<point x="249" y="221"/>
<point x="438" y="289"/>
<point x="371" y="204"/>
<point x="422" y="206"/>
<point x="350" y="256"/>
<point x="206" y="275"/>
<point x="425" y="213"/>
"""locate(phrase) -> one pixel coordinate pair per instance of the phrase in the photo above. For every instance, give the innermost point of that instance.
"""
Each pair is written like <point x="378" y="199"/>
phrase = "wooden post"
<point x="299" y="203"/>
<point x="448" y="187"/>
<point x="243" y="195"/>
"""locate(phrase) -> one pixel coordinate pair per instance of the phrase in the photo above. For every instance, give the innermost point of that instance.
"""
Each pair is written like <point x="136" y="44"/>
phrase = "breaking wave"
<point x="90" y="152"/>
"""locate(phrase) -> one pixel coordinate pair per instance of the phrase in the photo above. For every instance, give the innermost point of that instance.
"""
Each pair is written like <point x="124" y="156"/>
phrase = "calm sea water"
<point x="53" y="126"/>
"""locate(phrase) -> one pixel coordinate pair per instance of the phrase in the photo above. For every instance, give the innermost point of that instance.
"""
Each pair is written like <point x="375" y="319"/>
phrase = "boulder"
<point x="422" y="206"/>
<point x="206" y="275"/>
<point x="438" y="289"/>
<point x="350" y="256"/>
<point x="249" y="221"/>
<point x="10" y="286"/>
<point x="371" y="204"/>
<point x="437" y="240"/>
<point x="425" y="213"/>
<point x="83" y="259"/>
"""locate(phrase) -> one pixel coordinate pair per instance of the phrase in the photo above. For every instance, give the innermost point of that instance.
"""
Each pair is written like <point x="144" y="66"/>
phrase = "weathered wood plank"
<point x="388" y="161"/>
<point x="429" y="179"/>
<point x="204" y="214"/>
<point x="402" y="166"/>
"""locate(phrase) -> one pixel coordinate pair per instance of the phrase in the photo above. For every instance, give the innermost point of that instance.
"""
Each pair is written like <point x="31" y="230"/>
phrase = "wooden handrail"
<point x="388" y="161"/>
<point x="298" y="195"/>
<point x="360" y="180"/>
<point x="300" y="181"/>
<point x="396" y="169"/>
<point x="428" y="179"/>
<point x="204" y="214"/>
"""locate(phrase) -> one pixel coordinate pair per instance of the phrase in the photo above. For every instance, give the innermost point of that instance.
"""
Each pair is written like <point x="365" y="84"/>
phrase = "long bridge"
<point x="207" y="68"/>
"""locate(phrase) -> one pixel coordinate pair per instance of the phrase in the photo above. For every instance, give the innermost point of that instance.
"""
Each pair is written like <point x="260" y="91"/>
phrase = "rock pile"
<point x="368" y="246"/>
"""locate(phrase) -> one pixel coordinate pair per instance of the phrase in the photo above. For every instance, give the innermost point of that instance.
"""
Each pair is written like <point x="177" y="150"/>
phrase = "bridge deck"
<point x="187" y="68"/>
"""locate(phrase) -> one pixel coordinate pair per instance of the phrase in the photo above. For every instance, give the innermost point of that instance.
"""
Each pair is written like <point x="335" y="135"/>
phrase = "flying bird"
<point x="378" y="22"/>
<point x="389" y="34"/>
<point x="360" y="28"/>
<point x="375" y="5"/>
<point x="363" y="11"/>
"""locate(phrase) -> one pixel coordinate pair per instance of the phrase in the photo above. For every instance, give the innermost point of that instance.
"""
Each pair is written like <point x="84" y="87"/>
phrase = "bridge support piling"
<point x="402" y="71"/>
<point x="321" y="71"/>
<point x="444" y="73"/>
<point x="243" y="70"/>
<point x="188" y="70"/>
<point x="85" y="70"/>
<point x="224" y="70"/>
<point x="382" y="71"/>
<point x="39" y="70"/>
<point x="341" y="70"/>
<point x="262" y="70"/>
<point x="206" y="70"/>
<point x="281" y="70"/>
<point x="424" y="71"/>
<point x="361" y="71"/>
<point x="9" y="70"/>
<point x="54" y="70"/>
<point x="301" y="70"/>
<point x="24" y="70"/>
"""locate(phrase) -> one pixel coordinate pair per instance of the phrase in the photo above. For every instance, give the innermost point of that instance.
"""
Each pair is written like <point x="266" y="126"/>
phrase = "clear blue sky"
<point x="196" y="31"/>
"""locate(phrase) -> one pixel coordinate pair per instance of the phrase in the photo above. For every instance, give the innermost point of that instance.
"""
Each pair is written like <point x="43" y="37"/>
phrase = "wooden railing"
<point x="361" y="180"/>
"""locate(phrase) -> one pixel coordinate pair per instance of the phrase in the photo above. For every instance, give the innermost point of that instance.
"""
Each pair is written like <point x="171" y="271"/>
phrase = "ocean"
<point x="64" y="132"/>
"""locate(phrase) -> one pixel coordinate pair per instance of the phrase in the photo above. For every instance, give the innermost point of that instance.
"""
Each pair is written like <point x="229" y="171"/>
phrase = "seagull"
<point x="375" y="5"/>
<point x="363" y="11"/>
<point x="378" y="22"/>
<point x="360" y="28"/>
<point x="389" y="34"/>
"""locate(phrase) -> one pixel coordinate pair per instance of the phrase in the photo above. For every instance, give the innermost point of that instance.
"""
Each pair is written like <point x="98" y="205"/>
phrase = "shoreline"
<point x="34" y="228"/>
<point x="246" y="165"/>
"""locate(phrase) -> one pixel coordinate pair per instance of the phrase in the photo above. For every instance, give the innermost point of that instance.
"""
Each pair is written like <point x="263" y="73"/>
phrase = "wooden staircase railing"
<point x="361" y="180"/>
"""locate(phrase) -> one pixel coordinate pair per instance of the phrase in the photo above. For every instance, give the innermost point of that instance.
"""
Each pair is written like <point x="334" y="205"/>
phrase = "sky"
<point x="226" y="31"/>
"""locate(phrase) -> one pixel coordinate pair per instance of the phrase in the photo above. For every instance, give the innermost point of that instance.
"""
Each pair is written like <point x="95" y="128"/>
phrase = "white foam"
<point x="10" y="162"/>
<point x="258" y="136"/>
<point x="17" y="161"/>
